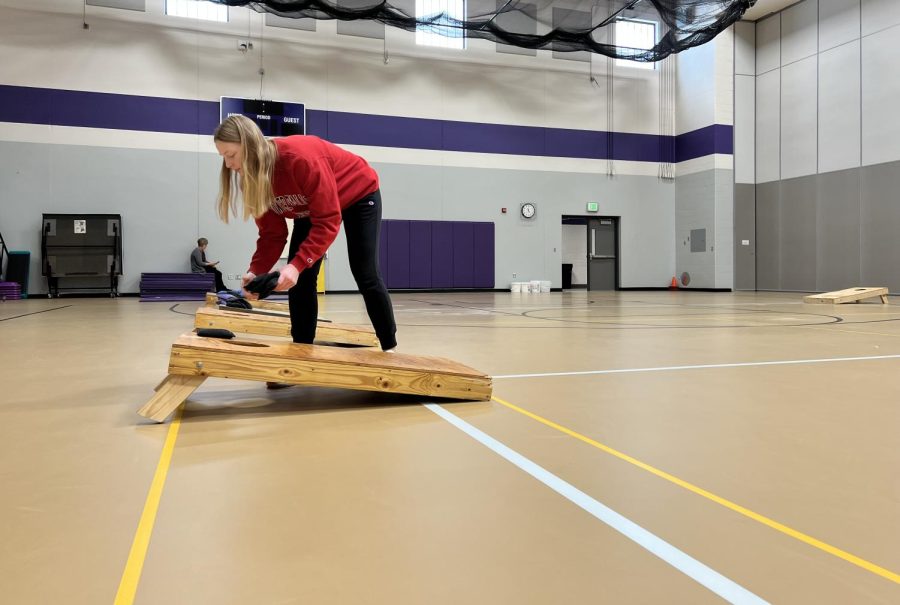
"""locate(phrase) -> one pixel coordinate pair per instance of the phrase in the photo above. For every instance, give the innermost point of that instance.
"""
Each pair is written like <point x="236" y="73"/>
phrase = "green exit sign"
<point x="593" y="206"/>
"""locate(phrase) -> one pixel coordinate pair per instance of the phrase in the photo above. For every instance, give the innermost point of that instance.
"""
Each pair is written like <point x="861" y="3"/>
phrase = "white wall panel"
<point x="879" y="14"/>
<point x="799" y="31"/>
<point x="839" y="128"/>
<point x="723" y="74"/>
<point x="635" y="103"/>
<point x="695" y="89"/>
<point x="799" y="145"/>
<point x="744" y="129"/>
<point x="838" y="22"/>
<point x="768" y="127"/>
<point x="768" y="44"/>
<point x="511" y="94"/>
<point x="880" y="91"/>
<point x="745" y="48"/>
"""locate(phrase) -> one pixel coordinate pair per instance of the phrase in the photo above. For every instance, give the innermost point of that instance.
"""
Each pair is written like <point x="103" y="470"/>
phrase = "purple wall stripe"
<point x="493" y="138"/>
<point x="381" y="131"/>
<point x="158" y="114"/>
<point x="717" y="138"/>
<point x="105" y="110"/>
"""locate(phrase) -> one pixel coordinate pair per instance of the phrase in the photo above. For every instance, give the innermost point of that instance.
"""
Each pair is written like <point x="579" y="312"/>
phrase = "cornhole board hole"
<point x="849" y="295"/>
<point x="194" y="358"/>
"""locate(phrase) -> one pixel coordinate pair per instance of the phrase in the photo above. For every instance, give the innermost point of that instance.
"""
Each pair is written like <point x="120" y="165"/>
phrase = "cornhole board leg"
<point x="170" y="394"/>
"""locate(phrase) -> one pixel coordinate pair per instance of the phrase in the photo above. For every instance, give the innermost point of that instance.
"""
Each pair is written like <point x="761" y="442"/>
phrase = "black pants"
<point x="220" y="285"/>
<point x="362" y="226"/>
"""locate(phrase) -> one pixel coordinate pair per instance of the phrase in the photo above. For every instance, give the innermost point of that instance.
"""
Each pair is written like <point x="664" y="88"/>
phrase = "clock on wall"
<point x="527" y="210"/>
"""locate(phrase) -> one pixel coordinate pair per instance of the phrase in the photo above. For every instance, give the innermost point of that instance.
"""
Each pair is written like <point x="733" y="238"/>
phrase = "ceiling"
<point x="762" y="8"/>
<point x="767" y="7"/>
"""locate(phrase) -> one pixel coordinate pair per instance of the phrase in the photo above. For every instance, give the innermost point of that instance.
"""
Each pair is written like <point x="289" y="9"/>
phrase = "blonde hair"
<point x="255" y="183"/>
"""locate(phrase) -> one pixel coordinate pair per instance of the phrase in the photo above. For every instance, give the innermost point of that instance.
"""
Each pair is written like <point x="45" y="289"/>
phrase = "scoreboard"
<point x="274" y="118"/>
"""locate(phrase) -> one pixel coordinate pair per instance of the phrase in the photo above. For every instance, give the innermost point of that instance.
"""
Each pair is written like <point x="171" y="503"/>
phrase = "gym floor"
<point x="641" y="447"/>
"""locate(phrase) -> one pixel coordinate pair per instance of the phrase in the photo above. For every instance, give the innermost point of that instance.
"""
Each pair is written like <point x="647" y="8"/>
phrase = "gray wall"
<point x="826" y="145"/>
<point x="830" y="231"/>
<point x="704" y="202"/>
<point x="744" y="237"/>
<point x="157" y="193"/>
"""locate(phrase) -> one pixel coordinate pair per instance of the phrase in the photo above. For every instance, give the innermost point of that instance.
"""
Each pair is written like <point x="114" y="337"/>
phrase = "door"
<point x="602" y="256"/>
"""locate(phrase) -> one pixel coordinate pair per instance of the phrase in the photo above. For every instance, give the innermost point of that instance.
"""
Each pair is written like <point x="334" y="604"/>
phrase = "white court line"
<point x="694" y="569"/>
<point x="702" y="367"/>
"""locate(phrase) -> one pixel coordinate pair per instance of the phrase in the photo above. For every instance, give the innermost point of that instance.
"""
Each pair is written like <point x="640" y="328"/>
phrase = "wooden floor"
<point x="642" y="447"/>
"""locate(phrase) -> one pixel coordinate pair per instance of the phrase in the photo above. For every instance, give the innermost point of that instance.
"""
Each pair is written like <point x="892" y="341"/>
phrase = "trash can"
<point x="567" y="276"/>
<point x="17" y="269"/>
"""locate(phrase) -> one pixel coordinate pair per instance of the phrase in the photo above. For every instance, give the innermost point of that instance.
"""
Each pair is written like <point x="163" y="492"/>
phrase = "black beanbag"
<point x="239" y="303"/>
<point x="263" y="285"/>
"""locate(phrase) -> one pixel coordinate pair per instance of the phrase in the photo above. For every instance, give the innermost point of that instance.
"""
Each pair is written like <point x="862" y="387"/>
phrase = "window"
<point x="632" y="33"/>
<point x="437" y="35"/>
<point x="197" y="9"/>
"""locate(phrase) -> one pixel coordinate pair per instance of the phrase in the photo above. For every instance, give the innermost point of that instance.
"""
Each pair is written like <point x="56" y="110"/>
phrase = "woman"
<point x="318" y="185"/>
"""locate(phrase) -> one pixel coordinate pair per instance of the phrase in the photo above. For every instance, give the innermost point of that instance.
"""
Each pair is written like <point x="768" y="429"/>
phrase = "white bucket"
<point x="536" y="286"/>
<point x="525" y="286"/>
<point x="515" y="286"/>
<point x="545" y="286"/>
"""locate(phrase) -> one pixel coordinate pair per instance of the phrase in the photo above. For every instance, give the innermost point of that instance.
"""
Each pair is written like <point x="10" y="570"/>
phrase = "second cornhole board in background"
<point x="849" y="295"/>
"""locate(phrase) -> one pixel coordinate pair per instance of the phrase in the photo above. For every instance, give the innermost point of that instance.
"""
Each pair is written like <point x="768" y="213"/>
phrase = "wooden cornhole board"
<point x="194" y="358"/>
<point x="847" y="296"/>
<point x="268" y="322"/>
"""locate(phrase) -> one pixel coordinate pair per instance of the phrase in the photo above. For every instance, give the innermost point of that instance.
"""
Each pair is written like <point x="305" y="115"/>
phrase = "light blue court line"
<point x="694" y="569"/>
<point x="703" y="367"/>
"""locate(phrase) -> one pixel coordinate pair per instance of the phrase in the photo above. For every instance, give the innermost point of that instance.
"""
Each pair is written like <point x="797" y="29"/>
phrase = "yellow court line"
<point x="832" y="550"/>
<point x="132" y="574"/>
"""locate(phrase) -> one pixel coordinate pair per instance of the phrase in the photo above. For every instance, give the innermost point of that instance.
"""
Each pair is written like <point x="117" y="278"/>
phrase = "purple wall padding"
<point x="441" y="254"/>
<point x="420" y="254"/>
<point x="483" y="275"/>
<point x="398" y="255"/>
<point x="383" y="252"/>
<point x="437" y="254"/>
<point x="463" y="255"/>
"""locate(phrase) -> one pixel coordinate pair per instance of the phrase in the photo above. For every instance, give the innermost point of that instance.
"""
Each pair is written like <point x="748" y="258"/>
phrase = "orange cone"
<point x="674" y="284"/>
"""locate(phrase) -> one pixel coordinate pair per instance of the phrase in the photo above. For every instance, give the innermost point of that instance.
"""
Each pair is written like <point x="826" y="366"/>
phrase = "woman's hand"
<point x="288" y="279"/>
<point x="245" y="279"/>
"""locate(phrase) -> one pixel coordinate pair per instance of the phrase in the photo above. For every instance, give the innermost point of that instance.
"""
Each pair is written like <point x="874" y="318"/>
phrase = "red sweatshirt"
<point x="316" y="179"/>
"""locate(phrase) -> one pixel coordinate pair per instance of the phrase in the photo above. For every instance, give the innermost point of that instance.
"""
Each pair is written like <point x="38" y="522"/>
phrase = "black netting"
<point x="559" y="25"/>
